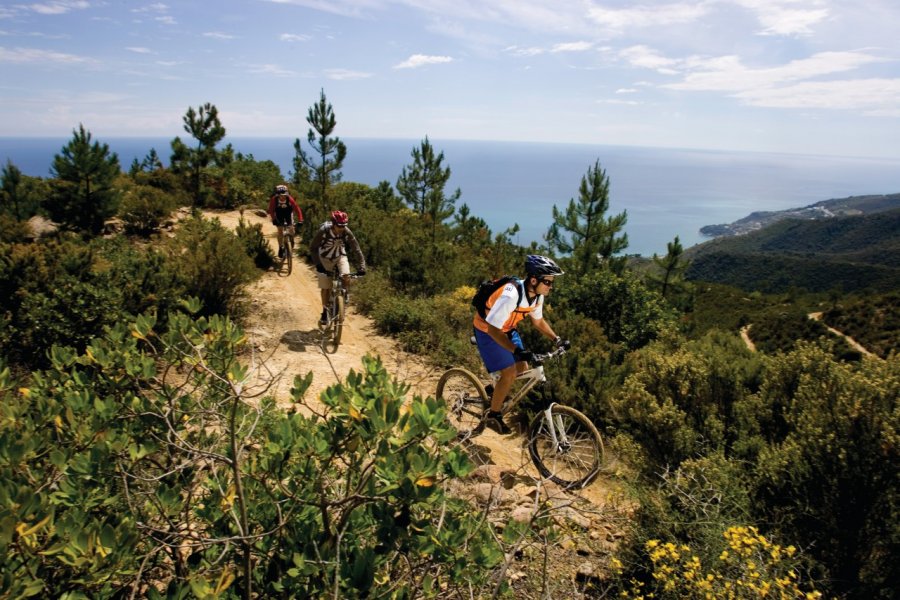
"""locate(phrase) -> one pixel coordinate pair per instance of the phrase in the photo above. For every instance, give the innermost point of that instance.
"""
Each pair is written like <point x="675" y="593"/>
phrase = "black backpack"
<point x="488" y="287"/>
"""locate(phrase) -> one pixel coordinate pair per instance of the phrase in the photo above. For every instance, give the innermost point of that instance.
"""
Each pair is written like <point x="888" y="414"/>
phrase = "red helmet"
<point x="339" y="217"/>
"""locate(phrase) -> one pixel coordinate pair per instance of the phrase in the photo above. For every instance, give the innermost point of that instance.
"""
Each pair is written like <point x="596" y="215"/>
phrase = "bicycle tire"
<point x="465" y="399"/>
<point x="577" y="463"/>
<point x="338" y="308"/>
<point x="289" y="252"/>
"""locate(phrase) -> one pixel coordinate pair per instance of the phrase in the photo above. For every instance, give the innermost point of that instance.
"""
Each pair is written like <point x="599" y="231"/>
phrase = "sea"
<point x="665" y="192"/>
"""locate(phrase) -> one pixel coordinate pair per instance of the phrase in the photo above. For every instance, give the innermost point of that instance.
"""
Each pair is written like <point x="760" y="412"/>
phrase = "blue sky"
<point x="798" y="76"/>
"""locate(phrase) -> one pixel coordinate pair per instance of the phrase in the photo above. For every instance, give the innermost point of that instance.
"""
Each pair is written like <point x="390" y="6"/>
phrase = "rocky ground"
<point x="285" y="338"/>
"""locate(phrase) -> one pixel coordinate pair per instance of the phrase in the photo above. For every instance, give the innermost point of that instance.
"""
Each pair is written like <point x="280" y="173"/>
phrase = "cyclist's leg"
<point x="496" y="359"/>
<point x="343" y="267"/>
<point x="325" y="285"/>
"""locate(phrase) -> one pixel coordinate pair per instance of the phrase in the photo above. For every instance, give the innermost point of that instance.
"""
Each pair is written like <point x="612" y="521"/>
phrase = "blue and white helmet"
<point x="537" y="265"/>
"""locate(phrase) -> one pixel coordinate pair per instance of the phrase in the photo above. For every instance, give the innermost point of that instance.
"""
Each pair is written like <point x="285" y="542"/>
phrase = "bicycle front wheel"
<point x="289" y="251"/>
<point x="465" y="399"/>
<point x="567" y="448"/>
<point x="338" y="307"/>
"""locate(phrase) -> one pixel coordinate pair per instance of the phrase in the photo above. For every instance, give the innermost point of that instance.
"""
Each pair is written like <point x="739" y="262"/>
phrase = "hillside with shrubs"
<point x="136" y="462"/>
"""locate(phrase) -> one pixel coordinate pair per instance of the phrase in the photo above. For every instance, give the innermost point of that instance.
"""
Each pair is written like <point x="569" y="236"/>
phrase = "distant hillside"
<point x="847" y="253"/>
<point x="825" y="209"/>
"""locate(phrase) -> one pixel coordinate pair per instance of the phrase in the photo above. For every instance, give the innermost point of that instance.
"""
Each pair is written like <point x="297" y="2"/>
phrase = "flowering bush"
<point x="750" y="567"/>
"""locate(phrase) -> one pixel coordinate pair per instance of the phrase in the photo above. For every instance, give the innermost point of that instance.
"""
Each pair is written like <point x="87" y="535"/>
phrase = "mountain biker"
<point x="498" y="340"/>
<point x="282" y="208"/>
<point x="329" y="252"/>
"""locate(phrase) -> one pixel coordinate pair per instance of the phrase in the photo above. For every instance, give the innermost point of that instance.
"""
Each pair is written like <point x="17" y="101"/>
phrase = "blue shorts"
<point x="495" y="356"/>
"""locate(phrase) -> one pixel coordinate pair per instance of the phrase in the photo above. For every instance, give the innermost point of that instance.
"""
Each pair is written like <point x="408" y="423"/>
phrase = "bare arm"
<point x="354" y="247"/>
<point x="544" y="327"/>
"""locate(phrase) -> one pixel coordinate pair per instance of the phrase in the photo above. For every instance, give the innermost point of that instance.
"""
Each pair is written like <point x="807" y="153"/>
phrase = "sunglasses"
<point x="339" y="226"/>
<point x="547" y="282"/>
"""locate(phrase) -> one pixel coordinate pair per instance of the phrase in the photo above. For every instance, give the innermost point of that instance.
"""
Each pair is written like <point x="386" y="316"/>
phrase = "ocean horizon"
<point x="665" y="191"/>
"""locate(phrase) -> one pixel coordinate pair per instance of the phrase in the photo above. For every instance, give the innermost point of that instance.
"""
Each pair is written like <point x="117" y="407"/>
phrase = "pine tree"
<point x="585" y="232"/>
<point x="421" y="185"/>
<point x="672" y="265"/>
<point x="206" y="128"/>
<point x="9" y="190"/>
<point x="324" y="169"/>
<point x="84" y="197"/>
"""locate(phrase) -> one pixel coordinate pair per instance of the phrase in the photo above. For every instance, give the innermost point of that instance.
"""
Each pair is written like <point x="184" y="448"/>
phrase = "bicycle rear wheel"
<point x="465" y="399"/>
<point x="570" y="452"/>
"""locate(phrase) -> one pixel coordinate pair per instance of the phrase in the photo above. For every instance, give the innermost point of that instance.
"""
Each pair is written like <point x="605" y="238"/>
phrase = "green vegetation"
<point x="585" y="232"/>
<point x="140" y="466"/>
<point x="137" y="456"/>
<point x="873" y="321"/>
<point x="848" y="254"/>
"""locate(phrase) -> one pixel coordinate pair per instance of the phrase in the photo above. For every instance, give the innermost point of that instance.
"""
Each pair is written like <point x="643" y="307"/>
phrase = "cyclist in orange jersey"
<point x="498" y="340"/>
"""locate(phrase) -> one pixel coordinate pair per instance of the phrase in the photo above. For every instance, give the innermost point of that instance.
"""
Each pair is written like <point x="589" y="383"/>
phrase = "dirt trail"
<point x="283" y="329"/>
<point x="817" y="316"/>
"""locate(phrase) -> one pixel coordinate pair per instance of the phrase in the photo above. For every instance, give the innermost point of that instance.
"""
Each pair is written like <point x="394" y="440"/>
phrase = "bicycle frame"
<point x="531" y="378"/>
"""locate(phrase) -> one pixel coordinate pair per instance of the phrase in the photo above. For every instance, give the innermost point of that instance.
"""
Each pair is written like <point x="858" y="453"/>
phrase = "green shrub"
<point x="114" y="482"/>
<point x="11" y="230"/>
<point x="255" y="244"/>
<point x="144" y="208"/>
<point x="53" y="294"/>
<point x="631" y="314"/>
<point x="212" y="265"/>
<point x="828" y="473"/>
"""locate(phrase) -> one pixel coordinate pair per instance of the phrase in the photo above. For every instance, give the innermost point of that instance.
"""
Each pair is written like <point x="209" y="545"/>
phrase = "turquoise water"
<point x="666" y="192"/>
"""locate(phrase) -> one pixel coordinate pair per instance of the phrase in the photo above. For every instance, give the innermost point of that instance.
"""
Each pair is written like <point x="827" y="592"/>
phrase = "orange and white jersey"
<point x="505" y="311"/>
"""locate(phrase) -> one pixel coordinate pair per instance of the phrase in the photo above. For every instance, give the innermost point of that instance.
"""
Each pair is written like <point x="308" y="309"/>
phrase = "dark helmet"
<point x="339" y="217"/>
<point x="281" y="189"/>
<point x="538" y="265"/>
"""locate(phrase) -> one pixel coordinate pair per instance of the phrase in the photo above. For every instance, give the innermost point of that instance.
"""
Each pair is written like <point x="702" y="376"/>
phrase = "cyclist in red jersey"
<point x="282" y="209"/>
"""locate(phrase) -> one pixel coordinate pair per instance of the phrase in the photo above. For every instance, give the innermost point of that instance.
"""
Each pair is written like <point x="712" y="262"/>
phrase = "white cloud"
<point x="787" y="17"/>
<point x="572" y="47"/>
<point x="345" y="74"/>
<point x="218" y="35"/>
<point x="273" y="70"/>
<point x="166" y="20"/>
<point x="876" y="97"/>
<point x="293" y="37"/>
<point x="57" y="7"/>
<point x="620" y="102"/>
<point x="648" y="58"/>
<point x="345" y="8"/>
<point x="158" y="7"/>
<point x="647" y="15"/>
<point x="728" y="74"/>
<point x="139" y="50"/>
<point x="626" y="91"/>
<point x="517" y="51"/>
<point x="36" y="55"/>
<point x="420" y="60"/>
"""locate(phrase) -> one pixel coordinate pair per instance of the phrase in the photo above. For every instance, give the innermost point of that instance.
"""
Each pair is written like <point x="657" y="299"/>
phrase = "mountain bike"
<point x="335" y="312"/>
<point x="286" y="250"/>
<point x="563" y="443"/>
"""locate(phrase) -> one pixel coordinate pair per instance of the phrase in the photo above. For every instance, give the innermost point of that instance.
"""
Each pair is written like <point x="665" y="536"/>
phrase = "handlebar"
<point x="539" y="358"/>
<point x="356" y="275"/>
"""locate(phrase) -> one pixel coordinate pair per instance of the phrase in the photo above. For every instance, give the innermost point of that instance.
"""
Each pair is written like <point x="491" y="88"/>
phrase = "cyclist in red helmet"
<point x="329" y="252"/>
<point x="282" y="208"/>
